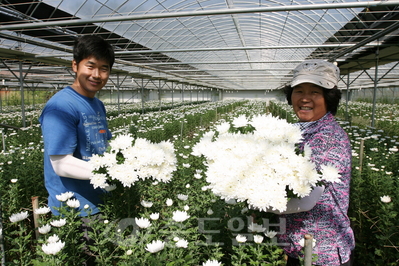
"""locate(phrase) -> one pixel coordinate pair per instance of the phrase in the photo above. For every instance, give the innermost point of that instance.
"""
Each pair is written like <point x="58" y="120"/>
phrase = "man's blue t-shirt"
<point x="73" y="124"/>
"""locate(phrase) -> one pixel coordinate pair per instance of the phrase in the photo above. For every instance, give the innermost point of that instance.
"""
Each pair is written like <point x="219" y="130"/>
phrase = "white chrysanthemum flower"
<point x="14" y="180"/>
<point x="121" y="142"/>
<point x="73" y="203"/>
<point x="17" y="217"/>
<point x="42" y="210"/>
<point x="142" y="222"/>
<point x="386" y="199"/>
<point x="330" y="173"/>
<point x="223" y="128"/>
<point x="197" y="176"/>
<point x="169" y="202"/>
<point x="257" y="167"/>
<point x="155" y="246"/>
<point x="64" y="196"/>
<point x="205" y="188"/>
<point x="53" y="248"/>
<point x="58" y="223"/>
<point x="254" y="227"/>
<point x="209" y="212"/>
<point x="109" y="159"/>
<point x="300" y="189"/>
<point x="180" y="216"/>
<point x="96" y="161"/>
<point x="53" y="239"/>
<point x="182" y="197"/>
<point x="212" y="263"/>
<point x="129" y="252"/>
<point x="99" y="180"/>
<point x="142" y="160"/>
<point x="186" y="207"/>
<point x="241" y="238"/>
<point x="240" y="121"/>
<point x="258" y="239"/>
<point x="206" y="140"/>
<point x="44" y="229"/>
<point x="86" y="206"/>
<point x="259" y="122"/>
<point x="154" y="216"/>
<point x="270" y="234"/>
<point x="146" y="204"/>
<point x="124" y="173"/>
<point x="182" y="243"/>
<point x="307" y="151"/>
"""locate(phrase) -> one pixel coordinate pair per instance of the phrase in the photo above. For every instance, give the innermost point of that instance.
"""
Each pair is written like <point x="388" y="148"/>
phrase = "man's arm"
<point x="70" y="166"/>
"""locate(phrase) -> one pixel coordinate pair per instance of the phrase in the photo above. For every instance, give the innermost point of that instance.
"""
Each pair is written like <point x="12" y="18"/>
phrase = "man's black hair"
<point x="331" y="97"/>
<point x="92" y="45"/>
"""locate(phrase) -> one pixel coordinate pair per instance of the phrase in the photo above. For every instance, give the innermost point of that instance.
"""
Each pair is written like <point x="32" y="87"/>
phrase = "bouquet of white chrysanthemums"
<point x="256" y="160"/>
<point x="129" y="160"/>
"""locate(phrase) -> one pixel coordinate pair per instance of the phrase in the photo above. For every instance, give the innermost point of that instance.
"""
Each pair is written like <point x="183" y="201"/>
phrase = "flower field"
<point x="181" y="221"/>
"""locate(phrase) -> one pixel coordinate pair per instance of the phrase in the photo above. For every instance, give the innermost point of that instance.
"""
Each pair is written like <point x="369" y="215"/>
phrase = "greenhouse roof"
<point x="228" y="45"/>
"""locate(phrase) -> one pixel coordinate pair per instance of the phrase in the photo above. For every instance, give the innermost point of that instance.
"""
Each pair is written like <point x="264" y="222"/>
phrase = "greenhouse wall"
<point x="110" y="96"/>
<point x="387" y="94"/>
<point x="253" y="95"/>
<point x="129" y="96"/>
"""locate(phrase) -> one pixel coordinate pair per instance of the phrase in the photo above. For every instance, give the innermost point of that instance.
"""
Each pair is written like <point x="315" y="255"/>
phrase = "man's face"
<point x="91" y="76"/>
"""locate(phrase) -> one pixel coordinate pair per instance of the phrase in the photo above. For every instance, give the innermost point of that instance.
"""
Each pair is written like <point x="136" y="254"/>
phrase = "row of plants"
<point x="182" y="222"/>
<point x="206" y="234"/>
<point x="23" y="147"/>
<point x="386" y="116"/>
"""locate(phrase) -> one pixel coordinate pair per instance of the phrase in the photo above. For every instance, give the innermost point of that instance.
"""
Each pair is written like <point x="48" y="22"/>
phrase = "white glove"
<point x="303" y="204"/>
<point x="70" y="166"/>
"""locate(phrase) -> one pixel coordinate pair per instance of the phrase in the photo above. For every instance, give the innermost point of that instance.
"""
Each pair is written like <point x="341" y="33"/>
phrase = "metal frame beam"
<point x="232" y="11"/>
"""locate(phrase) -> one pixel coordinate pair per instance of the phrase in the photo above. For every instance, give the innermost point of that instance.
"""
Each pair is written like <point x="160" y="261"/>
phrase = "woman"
<point x="314" y="96"/>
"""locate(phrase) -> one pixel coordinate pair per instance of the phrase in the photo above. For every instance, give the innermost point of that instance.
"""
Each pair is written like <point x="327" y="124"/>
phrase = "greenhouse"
<point x="200" y="102"/>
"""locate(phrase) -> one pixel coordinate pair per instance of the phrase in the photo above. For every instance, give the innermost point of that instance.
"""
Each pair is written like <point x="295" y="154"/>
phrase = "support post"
<point x="347" y="98"/>
<point x="21" y="85"/>
<point x="35" y="205"/>
<point x="308" y="250"/>
<point x="3" y="139"/>
<point x="375" y="89"/>
<point x="361" y="155"/>
<point x="117" y="89"/>
<point x="172" y="94"/>
<point x="142" y="95"/>
<point x="159" y="95"/>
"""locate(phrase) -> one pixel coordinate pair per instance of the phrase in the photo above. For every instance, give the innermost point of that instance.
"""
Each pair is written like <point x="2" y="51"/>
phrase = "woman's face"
<point x="308" y="102"/>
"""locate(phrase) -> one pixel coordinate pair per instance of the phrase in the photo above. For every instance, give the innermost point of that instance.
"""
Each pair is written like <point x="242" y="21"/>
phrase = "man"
<point x="74" y="126"/>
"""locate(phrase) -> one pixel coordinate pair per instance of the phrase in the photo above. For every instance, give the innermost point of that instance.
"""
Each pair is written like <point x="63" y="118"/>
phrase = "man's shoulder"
<point x="64" y="101"/>
<point x="59" y="97"/>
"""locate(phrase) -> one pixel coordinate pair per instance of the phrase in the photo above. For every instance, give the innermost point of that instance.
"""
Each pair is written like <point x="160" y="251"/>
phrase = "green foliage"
<point x="213" y="223"/>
